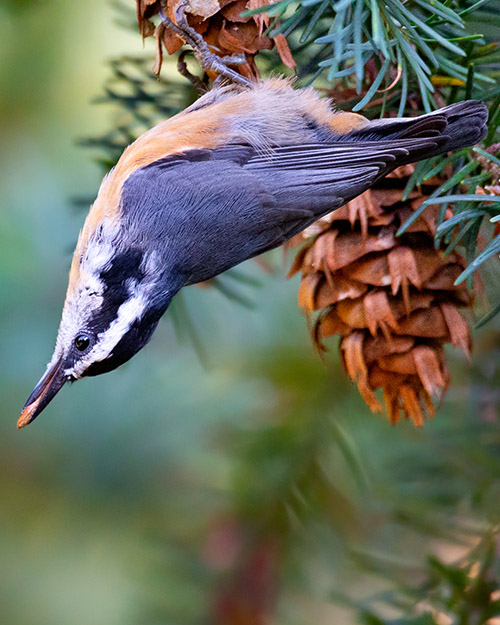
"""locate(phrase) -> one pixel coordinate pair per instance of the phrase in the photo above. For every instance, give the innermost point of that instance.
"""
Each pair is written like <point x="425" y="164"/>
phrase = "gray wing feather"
<point x="216" y="208"/>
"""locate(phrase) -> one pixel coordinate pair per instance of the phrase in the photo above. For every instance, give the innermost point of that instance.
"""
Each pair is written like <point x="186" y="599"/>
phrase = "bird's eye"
<point x="82" y="341"/>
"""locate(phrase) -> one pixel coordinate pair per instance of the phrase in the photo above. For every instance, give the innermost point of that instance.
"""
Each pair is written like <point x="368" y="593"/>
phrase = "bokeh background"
<point x="127" y="499"/>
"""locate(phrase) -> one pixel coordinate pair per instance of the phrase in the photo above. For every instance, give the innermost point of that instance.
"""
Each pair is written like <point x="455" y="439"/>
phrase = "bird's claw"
<point x="209" y="61"/>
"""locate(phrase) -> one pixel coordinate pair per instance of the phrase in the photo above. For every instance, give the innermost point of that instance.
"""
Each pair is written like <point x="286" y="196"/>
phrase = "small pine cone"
<point x="221" y="25"/>
<point x="392" y="300"/>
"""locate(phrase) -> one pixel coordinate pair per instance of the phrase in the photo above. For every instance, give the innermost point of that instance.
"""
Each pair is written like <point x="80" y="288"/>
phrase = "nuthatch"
<point x="237" y="173"/>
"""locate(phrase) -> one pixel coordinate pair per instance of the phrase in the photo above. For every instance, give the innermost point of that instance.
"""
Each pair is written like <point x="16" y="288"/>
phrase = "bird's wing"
<point x="222" y="206"/>
<point x="323" y="177"/>
<point x="316" y="178"/>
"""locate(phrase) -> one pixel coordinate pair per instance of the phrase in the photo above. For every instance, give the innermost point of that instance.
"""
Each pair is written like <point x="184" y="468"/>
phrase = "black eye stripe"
<point x="125" y="266"/>
<point x="136" y="337"/>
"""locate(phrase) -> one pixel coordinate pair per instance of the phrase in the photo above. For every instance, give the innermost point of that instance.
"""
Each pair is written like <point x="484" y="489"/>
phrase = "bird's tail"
<point x="455" y="126"/>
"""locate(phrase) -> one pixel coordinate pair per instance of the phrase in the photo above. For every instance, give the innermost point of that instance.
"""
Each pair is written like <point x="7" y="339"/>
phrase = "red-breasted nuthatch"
<point x="237" y="173"/>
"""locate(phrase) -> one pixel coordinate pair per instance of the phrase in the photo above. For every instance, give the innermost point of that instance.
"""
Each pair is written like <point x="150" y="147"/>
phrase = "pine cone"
<point x="392" y="300"/>
<point x="222" y="26"/>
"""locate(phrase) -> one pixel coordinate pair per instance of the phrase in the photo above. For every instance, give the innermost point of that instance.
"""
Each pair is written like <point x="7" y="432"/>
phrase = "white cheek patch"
<point x="97" y="258"/>
<point x="100" y="248"/>
<point x="128" y="312"/>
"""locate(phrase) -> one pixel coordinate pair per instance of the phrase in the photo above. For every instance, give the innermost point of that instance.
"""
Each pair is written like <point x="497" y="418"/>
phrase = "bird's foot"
<point x="209" y="61"/>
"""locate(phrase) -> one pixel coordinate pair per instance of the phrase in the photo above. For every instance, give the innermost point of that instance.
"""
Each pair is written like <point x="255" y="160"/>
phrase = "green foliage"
<point x="424" y="43"/>
<point x="462" y="592"/>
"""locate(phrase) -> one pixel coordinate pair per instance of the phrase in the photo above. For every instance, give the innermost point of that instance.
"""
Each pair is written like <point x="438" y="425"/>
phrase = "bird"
<point x="239" y="172"/>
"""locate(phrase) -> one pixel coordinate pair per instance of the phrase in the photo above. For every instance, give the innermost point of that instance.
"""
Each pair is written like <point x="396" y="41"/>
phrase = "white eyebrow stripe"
<point x="129" y="311"/>
<point x="98" y="256"/>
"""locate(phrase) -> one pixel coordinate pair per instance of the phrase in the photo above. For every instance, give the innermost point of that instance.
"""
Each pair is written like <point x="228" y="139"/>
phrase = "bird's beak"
<point x="52" y="381"/>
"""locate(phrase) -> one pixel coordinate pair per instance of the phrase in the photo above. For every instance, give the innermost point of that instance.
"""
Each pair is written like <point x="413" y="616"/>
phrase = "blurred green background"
<point x="108" y="500"/>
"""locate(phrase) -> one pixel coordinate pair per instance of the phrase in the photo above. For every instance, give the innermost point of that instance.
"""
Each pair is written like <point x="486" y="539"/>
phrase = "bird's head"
<point x="116" y="295"/>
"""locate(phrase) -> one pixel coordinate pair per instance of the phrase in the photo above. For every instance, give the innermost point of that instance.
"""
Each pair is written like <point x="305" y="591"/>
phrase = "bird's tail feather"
<point x="457" y="126"/>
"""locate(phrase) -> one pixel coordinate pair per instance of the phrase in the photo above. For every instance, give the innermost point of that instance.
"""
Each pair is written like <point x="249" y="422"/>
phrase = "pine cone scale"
<point x="392" y="300"/>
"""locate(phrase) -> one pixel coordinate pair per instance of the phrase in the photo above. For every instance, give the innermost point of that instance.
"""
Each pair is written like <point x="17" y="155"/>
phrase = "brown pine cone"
<point x="392" y="300"/>
<point x="222" y="26"/>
